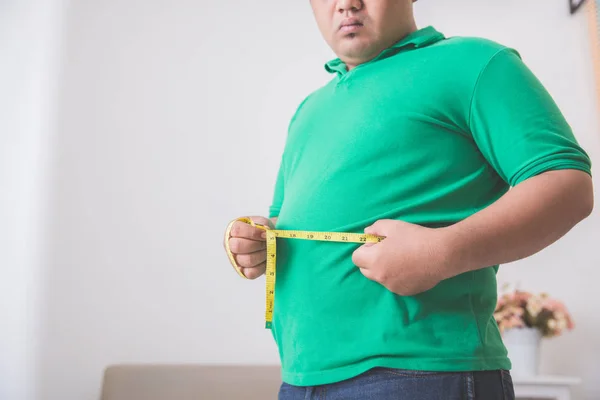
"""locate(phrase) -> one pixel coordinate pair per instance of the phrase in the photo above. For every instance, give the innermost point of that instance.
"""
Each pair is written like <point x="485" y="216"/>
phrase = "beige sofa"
<point x="190" y="382"/>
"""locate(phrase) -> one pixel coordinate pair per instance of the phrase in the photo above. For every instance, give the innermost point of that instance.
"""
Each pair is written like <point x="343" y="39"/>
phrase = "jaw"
<point x="355" y="49"/>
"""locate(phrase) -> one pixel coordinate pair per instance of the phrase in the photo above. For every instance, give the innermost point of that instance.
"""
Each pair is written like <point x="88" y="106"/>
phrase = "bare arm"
<point x="530" y="217"/>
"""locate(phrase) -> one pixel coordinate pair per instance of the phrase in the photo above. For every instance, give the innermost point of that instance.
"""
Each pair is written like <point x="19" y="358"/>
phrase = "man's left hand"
<point x="410" y="260"/>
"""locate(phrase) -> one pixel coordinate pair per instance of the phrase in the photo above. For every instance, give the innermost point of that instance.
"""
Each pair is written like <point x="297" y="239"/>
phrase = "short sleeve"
<point x="277" y="201"/>
<point x="517" y="125"/>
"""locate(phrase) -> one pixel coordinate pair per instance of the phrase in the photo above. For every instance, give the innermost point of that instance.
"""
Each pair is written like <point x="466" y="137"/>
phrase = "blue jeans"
<point x="396" y="384"/>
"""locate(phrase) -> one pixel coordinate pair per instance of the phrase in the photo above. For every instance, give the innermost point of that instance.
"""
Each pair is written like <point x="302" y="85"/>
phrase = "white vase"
<point x="523" y="345"/>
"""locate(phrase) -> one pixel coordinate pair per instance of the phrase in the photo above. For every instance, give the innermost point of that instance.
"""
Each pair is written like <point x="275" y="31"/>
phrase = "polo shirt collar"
<point x="420" y="38"/>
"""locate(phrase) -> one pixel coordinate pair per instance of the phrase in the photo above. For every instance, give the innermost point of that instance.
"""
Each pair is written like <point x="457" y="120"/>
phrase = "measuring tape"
<point x="272" y="235"/>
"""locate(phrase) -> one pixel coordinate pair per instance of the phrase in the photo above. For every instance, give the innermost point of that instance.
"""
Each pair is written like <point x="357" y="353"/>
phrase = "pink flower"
<point x="552" y="305"/>
<point x="520" y="308"/>
<point x="515" y="322"/>
<point x="501" y="302"/>
<point x="534" y="306"/>
<point x="518" y="311"/>
<point x="522" y="297"/>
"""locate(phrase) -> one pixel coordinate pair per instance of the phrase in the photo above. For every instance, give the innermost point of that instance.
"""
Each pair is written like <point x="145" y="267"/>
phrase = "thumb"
<point x="381" y="227"/>
<point x="363" y="256"/>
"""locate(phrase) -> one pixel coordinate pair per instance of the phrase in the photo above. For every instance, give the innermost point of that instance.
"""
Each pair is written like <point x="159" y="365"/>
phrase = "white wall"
<point x="172" y="117"/>
<point x="29" y="48"/>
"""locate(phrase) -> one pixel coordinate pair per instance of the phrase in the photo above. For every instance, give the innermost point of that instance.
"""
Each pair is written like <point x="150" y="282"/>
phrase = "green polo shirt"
<point x="431" y="131"/>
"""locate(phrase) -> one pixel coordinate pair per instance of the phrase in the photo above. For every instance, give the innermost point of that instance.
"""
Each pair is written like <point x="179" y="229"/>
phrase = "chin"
<point x="356" y="51"/>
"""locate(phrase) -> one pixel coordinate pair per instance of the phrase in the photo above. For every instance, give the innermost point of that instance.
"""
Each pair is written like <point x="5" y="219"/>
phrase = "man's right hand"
<point x="249" y="246"/>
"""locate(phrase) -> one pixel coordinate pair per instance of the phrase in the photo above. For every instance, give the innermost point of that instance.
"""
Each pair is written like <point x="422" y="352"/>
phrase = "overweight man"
<point x="451" y="149"/>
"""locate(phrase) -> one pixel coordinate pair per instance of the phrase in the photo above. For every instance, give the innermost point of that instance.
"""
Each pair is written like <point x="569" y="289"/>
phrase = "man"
<point x="417" y="138"/>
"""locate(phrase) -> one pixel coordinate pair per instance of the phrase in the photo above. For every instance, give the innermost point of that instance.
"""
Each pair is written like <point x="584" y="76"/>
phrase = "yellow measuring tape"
<point x="272" y="235"/>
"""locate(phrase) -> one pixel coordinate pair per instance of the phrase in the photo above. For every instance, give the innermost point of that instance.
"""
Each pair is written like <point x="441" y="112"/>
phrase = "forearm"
<point x="530" y="217"/>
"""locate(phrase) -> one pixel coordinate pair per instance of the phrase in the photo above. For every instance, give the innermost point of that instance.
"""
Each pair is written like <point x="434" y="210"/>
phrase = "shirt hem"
<point x="435" y="365"/>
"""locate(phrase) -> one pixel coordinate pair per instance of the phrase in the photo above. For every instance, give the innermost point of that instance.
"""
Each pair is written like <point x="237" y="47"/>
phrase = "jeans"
<point x="396" y="384"/>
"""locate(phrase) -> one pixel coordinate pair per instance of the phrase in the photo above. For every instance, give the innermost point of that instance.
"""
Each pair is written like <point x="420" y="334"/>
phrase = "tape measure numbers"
<point x="272" y="235"/>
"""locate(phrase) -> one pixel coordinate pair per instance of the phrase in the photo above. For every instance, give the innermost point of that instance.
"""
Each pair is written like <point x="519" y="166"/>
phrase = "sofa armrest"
<point x="190" y="382"/>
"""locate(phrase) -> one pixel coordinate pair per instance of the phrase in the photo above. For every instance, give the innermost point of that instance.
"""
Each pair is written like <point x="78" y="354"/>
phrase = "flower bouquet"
<point x="520" y="309"/>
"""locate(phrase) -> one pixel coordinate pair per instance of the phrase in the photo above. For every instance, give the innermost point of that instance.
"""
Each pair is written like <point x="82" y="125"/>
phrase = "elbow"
<point x="579" y="194"/>
<point x="589" y="207"/>
<point x="587" y="198"/>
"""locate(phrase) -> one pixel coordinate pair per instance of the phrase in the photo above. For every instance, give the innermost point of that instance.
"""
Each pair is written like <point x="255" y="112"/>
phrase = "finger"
<point x="364" y="255"/>
<point x="245" y="246"/>
<point x="253" y="273"/>
<point x="251" y="260"/>
<point x="380" y="227"/>
<point x="263" y="221"/>
<point x="243" y="230"/>
<point x="368" y="273"/>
